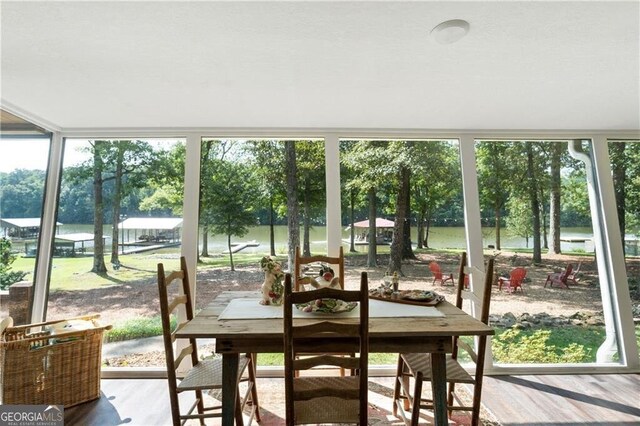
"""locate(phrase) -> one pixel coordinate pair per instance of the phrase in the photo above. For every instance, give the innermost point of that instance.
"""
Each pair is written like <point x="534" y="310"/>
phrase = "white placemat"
<point x="252" y="309"/>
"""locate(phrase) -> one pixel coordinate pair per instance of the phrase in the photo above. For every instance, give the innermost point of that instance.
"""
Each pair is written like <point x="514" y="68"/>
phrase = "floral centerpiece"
<point x="272" y="287"/>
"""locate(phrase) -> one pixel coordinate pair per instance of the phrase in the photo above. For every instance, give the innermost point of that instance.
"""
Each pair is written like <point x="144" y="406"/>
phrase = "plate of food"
<point x="327" y="306"/>
<point x="419" y="295"/>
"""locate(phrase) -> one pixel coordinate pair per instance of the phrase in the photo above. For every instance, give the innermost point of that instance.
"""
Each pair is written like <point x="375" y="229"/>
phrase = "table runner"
<point x="252" y="309"/>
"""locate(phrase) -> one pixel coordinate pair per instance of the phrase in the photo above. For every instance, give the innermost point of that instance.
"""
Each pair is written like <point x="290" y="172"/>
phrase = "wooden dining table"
<point x="386" y="335"/>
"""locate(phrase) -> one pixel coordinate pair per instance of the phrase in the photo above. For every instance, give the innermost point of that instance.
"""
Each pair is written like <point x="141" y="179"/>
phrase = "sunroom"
<point x="516" y="125"/>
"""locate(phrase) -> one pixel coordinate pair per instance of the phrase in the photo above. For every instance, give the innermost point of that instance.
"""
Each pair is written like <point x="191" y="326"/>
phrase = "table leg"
<point x="229" y="381"/>
<point x="439" y="387"/>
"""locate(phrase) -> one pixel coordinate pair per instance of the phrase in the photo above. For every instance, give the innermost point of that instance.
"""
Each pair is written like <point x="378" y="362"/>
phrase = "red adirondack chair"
<point x="438" y="275"/>
<point x="573" y="276"/>
<point x="514" y="281"/>
<point x="559" y="278"/>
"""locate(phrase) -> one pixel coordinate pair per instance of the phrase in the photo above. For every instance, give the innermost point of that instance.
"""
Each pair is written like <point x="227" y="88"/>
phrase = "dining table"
<point x="239" y="324"/>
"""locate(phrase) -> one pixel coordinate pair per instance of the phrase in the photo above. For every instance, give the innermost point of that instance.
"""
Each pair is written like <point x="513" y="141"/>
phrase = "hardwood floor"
<point x="511" y="400"/>
<point x="564" y="400"/>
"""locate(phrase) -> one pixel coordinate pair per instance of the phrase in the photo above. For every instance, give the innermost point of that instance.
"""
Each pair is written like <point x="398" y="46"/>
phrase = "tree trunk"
<point x="618" y="170"/>
<point x="306" y="219"/>
<point x="230" y="252"/>
<point x="352" y="202"/>
<point x="293" y="223"/>
<point x="497" y="226"/>
<point x="395" y="260"/>
<point x="372" y="256"/>
<point x="205" y="241"/>
<point x="272" y="233"/>
<point x="98" y="212"/>
<point x="117" y="196"/>
<point x="407" y="249"/>
<point x="535" y="205"/>
<point x="554" y="198"/>
<point x="420" y="225"/>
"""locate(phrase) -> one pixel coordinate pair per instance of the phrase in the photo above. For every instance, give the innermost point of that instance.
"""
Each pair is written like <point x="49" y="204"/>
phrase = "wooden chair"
<point x="418" y="367"/>
<point x="438" y="275"/>
<point x="204" y="375"/>
<point x="317" y="398"/>
<point x="337" y="262"/>
<point x="573" y="276"/>
<point x="559" y="278"/>
<point x="514" y="282"/>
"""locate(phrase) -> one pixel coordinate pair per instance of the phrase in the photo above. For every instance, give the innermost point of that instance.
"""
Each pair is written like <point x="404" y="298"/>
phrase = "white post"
<point x="47" y="230"/>
<point x="332" y="170"/>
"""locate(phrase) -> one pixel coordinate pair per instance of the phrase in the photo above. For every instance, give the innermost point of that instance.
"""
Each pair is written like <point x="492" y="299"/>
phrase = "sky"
<point x="31" y="154"/>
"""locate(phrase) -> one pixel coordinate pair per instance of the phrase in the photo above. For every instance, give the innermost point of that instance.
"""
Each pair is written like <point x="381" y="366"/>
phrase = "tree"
<point x="370" y="162"/>
<point x="98" y="212"/>
<point x="535" y="205"/>
<point x="7" y="276"/>
<point x="495" y="175"/>
<point x="555" y="196"/>
<point x="269" y="165"/>
<point x="232" y="191"/>
<point x="293" y="223"/>
<point x="311" y="185"/>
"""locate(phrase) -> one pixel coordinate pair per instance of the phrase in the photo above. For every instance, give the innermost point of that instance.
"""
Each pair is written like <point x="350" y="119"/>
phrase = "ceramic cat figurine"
<point x="272" y="287"/>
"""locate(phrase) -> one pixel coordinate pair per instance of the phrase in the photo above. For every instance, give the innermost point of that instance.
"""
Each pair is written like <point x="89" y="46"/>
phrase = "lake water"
<point x="439" y="237"/>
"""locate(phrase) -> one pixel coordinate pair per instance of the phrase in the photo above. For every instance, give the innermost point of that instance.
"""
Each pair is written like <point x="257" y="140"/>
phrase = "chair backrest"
<point x="567" y="272"/>
<point x="335" y="262"/>
<point x="435" y="269"/>
<point x="322" y="338"/>
<point x="517" y="275"/>
<point x="172" y="298"/>
<point x="477" y="357"/>
<point x="462" y="279"/>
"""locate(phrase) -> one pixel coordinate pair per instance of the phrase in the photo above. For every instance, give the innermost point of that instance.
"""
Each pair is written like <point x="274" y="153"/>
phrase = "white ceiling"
<point x="523" y="65"/>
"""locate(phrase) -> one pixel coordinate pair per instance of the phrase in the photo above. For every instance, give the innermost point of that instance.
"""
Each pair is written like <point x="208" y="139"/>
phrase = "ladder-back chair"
<point x="337" y="263"/>
<point x="418" y="366"/>
<point x="203" y="375"/>
<point x="328" y="398"/>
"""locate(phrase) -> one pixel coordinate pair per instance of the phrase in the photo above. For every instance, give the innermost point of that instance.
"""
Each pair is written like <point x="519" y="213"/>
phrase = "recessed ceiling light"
<point x="450" y="31"/>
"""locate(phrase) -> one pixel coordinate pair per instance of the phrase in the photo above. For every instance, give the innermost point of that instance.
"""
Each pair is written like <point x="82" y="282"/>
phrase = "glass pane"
<point x="245" y="204"/>
<point x="23" y="166"/>
<point x="625" y="168"/>
<point x="536" y="217"/>
<point x="371" y="175"/>
<point x="120" y="210"/>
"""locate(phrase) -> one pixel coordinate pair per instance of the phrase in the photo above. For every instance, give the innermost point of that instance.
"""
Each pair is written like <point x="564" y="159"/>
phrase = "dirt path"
<point x="140" y="298"/>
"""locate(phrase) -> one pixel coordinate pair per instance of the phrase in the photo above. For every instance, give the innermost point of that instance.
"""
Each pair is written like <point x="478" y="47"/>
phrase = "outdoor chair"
<point x="438" y="275"/>
<point x="333" y="262"/>
<point x="559" y="278"/>
<point x="203" y="375"/>
<point x="573" y="276"/>
<point x="326" y="398"/>
<point x="418" y="367"/>
<point x="514" y="282"/>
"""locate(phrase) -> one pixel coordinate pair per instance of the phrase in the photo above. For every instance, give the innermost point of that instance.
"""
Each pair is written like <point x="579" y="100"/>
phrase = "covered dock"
<point x="22" y="228"/>
<point x="384" y="231"/>
<point x="144" y="231"/>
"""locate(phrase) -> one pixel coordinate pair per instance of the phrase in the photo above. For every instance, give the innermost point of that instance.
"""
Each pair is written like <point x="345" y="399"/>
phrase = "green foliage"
<point x="7" y="276"/>
<point x="137" y="328"/>
<point x="514" y="347"/>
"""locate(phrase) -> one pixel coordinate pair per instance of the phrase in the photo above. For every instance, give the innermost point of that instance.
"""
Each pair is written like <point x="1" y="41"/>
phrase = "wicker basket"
<point x="39" y="367"/>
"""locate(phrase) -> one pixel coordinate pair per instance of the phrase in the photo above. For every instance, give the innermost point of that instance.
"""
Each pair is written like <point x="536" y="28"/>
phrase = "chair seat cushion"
<point x="327" y="409"/>
<point x="421" y="362"/>
<point x="208" y="374"/>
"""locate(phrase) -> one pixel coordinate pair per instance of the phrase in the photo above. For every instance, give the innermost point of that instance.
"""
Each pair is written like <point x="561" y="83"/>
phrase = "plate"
<point x="327" y="306"/>
<point x="419" y="295"/>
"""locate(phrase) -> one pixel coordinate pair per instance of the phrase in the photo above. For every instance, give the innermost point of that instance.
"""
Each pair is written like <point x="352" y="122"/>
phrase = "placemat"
<point x="252" y="309"/>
